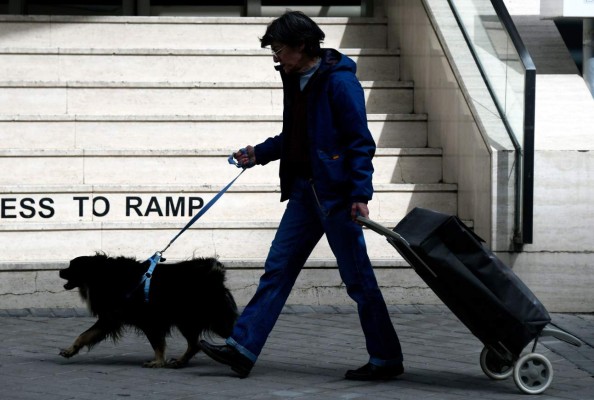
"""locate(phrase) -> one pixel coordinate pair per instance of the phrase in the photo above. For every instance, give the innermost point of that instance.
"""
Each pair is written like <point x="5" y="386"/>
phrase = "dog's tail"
<point x="224" y="315"/>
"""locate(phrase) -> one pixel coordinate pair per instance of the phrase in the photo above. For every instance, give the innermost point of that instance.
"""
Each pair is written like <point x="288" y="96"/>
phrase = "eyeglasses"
<point x="275" y="53"/>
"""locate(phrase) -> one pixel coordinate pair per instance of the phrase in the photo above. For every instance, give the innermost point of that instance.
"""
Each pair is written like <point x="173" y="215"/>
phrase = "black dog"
<point x="190" y="295"/>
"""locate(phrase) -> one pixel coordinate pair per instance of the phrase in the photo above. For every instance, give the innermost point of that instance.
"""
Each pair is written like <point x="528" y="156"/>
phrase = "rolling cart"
<point x="484" y="293"/>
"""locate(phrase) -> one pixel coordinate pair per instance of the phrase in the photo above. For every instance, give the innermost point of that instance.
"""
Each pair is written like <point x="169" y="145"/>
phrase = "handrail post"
<point x="526" y="176"/>
<point x="522" y="137"/>
<point x="588" y="53"/>
<point x="528" y="167"/>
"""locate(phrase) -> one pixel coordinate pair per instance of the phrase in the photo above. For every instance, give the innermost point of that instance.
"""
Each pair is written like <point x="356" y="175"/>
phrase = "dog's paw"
<point x="154" y="364"/>
<point x="67" y="353"/>
<point x="176" y="364"/>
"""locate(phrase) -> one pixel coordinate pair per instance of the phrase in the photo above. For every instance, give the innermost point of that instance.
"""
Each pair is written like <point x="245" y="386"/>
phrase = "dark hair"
<point x="294" y="28"/>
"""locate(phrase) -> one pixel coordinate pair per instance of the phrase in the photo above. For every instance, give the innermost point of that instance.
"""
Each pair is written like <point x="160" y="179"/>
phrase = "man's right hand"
<point x="246" y="157"/>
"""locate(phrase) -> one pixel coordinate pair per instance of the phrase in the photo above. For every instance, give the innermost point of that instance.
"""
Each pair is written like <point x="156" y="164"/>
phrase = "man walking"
<point x="325" y="151"/>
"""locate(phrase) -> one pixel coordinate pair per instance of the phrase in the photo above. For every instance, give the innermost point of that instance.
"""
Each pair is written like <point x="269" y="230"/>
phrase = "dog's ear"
<point x="79" y="261"/>
<point x="87" y="262"/>
<point x="74" y="262"/>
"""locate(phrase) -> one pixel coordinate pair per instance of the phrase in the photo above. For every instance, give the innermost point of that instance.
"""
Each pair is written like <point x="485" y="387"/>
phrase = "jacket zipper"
<point x="313" y="188"/>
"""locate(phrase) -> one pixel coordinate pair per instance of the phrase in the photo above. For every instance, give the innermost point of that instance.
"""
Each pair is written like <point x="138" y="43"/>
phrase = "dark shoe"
<point x="370" y="372"/>
<point x="228" y="355"/>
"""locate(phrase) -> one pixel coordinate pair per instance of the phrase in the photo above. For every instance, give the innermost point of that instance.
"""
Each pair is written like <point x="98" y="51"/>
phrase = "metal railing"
<point x="510" y="75"/>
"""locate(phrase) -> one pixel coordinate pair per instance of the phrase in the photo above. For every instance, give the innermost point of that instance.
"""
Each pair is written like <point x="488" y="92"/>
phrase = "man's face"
<point x="292" y="59"/>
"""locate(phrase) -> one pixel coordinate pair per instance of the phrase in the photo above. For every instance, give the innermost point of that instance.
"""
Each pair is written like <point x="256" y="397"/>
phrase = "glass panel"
<point x="499" y="60"/>
<point x="509" y="73"/>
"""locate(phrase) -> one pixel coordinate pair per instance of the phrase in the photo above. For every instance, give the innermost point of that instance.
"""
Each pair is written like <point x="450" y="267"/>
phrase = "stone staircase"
<point x="115" y="130"/>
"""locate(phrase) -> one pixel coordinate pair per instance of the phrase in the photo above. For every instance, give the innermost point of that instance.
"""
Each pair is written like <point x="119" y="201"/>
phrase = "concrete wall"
<point x="558" y="266"/>
<point x="176" y="145"/>
<point x="477" y="153"/>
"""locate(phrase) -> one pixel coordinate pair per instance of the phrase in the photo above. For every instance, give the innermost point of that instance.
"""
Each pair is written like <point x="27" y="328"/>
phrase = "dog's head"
<point x="103" y="282"/>
<point x="84" y="272"/>
<point x="77" y="273"/>
<point x="103" y="275"/>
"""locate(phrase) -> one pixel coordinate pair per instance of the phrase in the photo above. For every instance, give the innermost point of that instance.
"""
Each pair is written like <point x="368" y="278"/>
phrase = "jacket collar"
<point x="331" y="58"/>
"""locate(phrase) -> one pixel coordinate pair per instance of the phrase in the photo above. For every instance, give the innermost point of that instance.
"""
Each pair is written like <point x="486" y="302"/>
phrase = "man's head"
<point x="294" y="29"/>
<point x="294" y="40"/>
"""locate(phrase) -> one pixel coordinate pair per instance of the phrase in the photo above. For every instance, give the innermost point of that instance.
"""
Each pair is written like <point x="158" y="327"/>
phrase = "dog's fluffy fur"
<point x="190" y="295"/>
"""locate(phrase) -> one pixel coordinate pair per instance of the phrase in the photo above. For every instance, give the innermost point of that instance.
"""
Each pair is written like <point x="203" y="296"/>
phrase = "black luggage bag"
<point x="484" y="293"/>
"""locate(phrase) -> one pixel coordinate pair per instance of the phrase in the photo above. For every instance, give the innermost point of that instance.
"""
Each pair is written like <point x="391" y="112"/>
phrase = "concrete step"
<point x="233" y="264"/>
<point x="33" y="241"/>
<point x="170" y="98"/>
<point x="37" y="284"/>
<point x="130" y="167"/>
<point x="176" y="204"/>
<point x="169" y="65"/>
<point x="141" y="113"/>
<point x="130" y="132"/>
<point x="68" y="32"/>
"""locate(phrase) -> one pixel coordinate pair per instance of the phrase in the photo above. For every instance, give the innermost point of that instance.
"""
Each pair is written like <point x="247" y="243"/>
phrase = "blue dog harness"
<point x="158" y="256"/>
<point x="148" y="275"/>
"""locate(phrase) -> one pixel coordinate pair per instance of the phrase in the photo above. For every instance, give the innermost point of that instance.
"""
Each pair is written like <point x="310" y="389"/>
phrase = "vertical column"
<point x="367" y="8"/>
<point x="128" y="7"/>
<point x="588" y="50"/>
<point x="253" y="8"/>
<point x="16" y="7"/>
<point x="143" y="7"/>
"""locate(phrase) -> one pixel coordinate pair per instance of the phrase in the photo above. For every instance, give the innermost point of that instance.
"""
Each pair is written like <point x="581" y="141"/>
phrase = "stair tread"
<point x="184" y="118"/>
<point x="151" y="225"/>
<point x="179" y="85"/>
<point x="176" y="52"/>
<point x="177" y="20"/>
<point x="184" y="188"/>
<point x="249" y="263"/>
<point x="62" y="86"/>
<point x="217" y="152"/>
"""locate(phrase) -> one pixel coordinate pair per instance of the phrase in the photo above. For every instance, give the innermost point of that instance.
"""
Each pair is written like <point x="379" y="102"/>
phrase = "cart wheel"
<point x="494" y="367"/>
<point x="533" y="373"/>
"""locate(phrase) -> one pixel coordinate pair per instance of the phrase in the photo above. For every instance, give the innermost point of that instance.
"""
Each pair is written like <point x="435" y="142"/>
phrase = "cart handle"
<point x="382" y="230"/>
<point x="398" y="242"/>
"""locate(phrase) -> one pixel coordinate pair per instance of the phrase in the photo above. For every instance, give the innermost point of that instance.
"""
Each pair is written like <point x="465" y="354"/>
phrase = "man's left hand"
<point x="359" y="209"/>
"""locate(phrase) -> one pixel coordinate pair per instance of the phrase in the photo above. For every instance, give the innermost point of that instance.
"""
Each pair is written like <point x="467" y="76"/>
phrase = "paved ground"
<point x="305" y="358"/>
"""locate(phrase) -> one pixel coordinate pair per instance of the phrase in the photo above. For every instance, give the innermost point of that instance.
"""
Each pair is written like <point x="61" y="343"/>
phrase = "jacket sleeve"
<point x="269" y="150"/>
<point x="351" y="120"/>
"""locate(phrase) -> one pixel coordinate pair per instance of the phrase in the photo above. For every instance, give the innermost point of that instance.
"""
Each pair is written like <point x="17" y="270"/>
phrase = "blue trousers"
<point x="300" y="229"/>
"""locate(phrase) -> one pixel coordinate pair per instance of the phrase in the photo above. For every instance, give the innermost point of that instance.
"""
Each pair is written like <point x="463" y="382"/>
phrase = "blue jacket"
<point x="340" y="145"/>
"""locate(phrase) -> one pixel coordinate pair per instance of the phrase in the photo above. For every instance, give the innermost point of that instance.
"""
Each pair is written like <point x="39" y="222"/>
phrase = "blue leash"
<point x="158" y="256"/>
<point x="203" y="210"/>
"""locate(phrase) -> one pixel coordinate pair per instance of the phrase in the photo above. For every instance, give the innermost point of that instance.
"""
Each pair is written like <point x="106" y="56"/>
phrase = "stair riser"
<point x="177" y="135"/>
<point x="174" y="101"/>
<point x="314" y="287"/>
<point x="98" y="114"/>
<point x="241" y="243"/>
<point x="75" y="170"/>
<point x="123" y="35"/>
<point x="169" y="68"/>
<point x="22" y="210"/>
